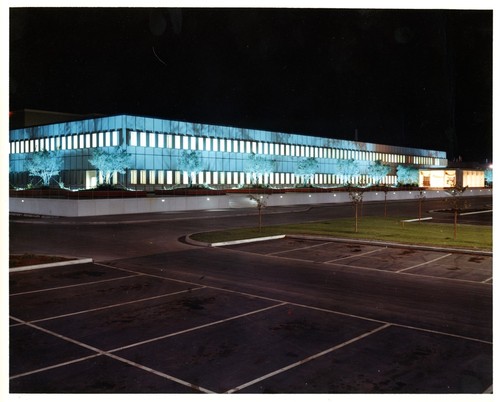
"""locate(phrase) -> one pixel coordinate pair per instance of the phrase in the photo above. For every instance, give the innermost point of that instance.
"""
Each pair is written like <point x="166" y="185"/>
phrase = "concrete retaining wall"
<point x="60" y="207"/>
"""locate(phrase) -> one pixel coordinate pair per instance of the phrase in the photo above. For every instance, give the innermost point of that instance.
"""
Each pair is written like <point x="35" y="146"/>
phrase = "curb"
<point x="52" y="264"/>
<point x="232" y="242"/>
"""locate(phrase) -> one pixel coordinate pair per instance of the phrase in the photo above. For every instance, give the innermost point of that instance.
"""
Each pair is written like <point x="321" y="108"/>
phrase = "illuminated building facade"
<point x="156" y="145"/>
<point x="441" y="178"/>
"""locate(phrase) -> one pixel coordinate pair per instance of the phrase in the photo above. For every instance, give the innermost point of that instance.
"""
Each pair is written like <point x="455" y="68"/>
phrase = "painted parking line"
<point x="185" y="331"/>
<point x="307" y="359"/>
<point x="73" y="286"/>
<point x="112" y="356"/>
<point x="424" y="263"/>
<point x="66" y="363"/>
<point x="298" y="249"/>
<point x="355" y="255"/>
<point x="115" y="305"/>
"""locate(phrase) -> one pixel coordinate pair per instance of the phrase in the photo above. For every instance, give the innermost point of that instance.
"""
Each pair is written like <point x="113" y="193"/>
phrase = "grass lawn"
<point x="370" y="228"/>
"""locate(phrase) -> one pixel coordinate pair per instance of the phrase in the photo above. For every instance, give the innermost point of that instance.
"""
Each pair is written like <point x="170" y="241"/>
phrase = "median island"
<point x="393" y="229"/>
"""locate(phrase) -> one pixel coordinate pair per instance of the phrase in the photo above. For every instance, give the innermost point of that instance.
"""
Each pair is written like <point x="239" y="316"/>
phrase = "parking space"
<point x="97" y="328"/>
<point x="438" y="263"/>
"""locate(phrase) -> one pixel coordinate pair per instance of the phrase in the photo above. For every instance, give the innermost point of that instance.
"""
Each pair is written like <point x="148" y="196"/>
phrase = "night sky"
<point x="419" y="78"/>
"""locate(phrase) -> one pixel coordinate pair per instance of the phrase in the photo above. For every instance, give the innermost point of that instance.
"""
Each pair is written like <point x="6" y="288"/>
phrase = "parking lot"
<point x="123" y="328"/>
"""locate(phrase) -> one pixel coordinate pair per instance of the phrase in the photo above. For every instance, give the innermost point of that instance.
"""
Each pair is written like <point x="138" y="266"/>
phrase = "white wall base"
<point x="119" y="206"/>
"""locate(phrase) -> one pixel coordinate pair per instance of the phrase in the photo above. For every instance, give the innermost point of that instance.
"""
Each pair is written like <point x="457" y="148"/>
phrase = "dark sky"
<point x="419" y="78"/>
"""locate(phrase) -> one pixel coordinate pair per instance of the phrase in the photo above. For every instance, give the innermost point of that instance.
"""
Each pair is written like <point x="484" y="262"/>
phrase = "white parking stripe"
<point x="424" y="263"/>
<point x="196" y="328"/>
<point x="72" y="286"/>
<point x="307" y="359"/>
<point x="67" y="363"/>
<point x="356" y="255"/>
<point x="297" y="249"/>
<point x="115" y="305"/>
<point x="121" y="359"/>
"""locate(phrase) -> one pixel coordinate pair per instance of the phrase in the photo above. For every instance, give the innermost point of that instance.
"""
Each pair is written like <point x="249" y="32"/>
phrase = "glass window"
<point x="101" y="139"/>
<point x="177" y="142"/>
<point x="215" y="145"/>
<point x="94" y="140"/>
<point x="143" y="176"/>
<point x="177" y="178"/>
<point x="133" y="176"/>
<point x="142" y="141"/>
<point x="36" y="145"/>
<point x="63" y="142"/>
<point x="222" y="144"/>
<point x="107" y="138"/>
<point x="242" y="146"/>
<point x="115" y="139"/>
<point x="193" y="143"/>
<point x="185" y="142"/>
<point x="152" y="140"/>
<point x="200" y="143"/>
<point x="235" y="145"/>
<point x="133" y="139"/>
<point x="152" y="177"/>
<point x="271" y="149"/>
<point x="161" y="140"/>
<point x="161" y="177"/>
<point x="87" y="141"/>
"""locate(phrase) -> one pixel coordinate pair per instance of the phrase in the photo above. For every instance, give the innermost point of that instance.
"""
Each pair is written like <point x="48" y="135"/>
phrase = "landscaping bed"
<point x="23" y="260"/>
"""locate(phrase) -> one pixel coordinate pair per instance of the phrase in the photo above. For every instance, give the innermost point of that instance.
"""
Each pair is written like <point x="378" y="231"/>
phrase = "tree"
<point x="407" y="174"/>
<point x="348" y="168"/>
<point x="457" y="204"/>
<point x="356" y="196"/>
<point x="259" y="167"/>
<point x="110" y="162"/>
<point x="488" y="176"/>
<point x="261" y="203"/>
<point x="190" y="163"/>
<point x="420" y="197"/>
<point x="44" y="164"/>
<point x="378" y="171"/>
<point x="306" y="169"/>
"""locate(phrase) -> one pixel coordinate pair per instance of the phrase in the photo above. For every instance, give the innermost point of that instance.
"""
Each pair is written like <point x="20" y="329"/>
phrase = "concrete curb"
<point x="232" y="242"/>
<point x="52" y="264"/>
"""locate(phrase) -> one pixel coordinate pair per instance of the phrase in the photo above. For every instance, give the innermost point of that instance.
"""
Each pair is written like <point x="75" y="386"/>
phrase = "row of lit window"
<point x="64" y="142"/>
<point x="159" y="140"/>
<point x="171" y="177"/>
<point x="175" y="141"/>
